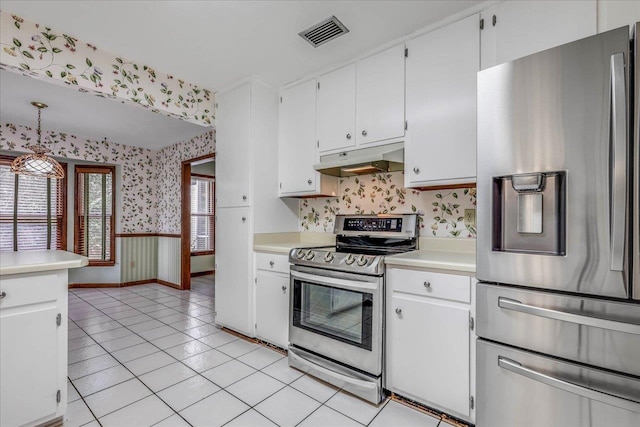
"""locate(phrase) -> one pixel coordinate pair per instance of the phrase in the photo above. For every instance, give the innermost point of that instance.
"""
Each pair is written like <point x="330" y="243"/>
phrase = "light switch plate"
<point x="470" y="217"/>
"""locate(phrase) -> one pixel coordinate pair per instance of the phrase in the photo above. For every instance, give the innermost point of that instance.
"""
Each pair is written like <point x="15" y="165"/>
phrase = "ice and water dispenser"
<point x="529" y="213"/>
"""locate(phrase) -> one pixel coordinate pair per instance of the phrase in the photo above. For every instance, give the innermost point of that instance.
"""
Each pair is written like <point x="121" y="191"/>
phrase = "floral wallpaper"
<point x="168" y="178"/>
<point x="39" y="51"/>
<point x="441" y="212"/>
<point x="150" y="187"/>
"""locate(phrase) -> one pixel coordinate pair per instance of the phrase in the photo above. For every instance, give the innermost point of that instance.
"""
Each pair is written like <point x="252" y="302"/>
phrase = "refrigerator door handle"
<point x="619" y="166"/>
<point x="612" y="325"/>
<point x="589" y="393"/>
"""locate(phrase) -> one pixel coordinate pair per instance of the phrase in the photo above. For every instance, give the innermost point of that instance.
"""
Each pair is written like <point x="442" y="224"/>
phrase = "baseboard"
<point x="203" y="273"/>
<point x="93" y="285"/>
<point x="139" y="282"/>
<point x="169" y="284"/>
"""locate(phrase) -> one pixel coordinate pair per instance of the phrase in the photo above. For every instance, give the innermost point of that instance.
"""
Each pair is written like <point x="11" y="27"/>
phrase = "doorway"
<point x="198" y="225"/>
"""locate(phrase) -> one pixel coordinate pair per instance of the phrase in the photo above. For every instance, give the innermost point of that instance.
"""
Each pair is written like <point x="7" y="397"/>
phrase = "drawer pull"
<point x="398" y="311"/>
<point x="3" y="294"/>
<point x="597" y="322"/>
<point x="284" y="289"/>
<point x="271" y="263"/>
<point x="427" y="285"/>
<point x="589" y="393"/>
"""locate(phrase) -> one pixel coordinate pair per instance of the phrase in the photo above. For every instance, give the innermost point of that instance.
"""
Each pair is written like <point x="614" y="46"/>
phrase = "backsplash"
<point x="150" y="179"/>
<point x="441" y="212"/>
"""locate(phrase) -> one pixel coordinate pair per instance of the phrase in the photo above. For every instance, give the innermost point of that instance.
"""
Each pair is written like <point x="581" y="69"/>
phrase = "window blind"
<point x="32" y="210"/>
<point x="202" y="214"/>
<point x="94" y="214"/>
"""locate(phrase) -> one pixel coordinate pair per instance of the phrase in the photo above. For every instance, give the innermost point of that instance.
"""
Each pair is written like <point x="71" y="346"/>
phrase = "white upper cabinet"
<point x="233" y="143"/>
<point x="440" y="146"/>
<point x="380" y="96"/>
<point x="297" y="144"/>
<point x="513" y="29"/>
<point x="337" y="109"/>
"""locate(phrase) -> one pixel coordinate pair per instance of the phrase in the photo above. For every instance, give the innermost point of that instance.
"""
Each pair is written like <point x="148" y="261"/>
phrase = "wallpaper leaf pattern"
<point x="440" y="213"/>
<point x="150" y="180"/>
<point x="37" y="51"/>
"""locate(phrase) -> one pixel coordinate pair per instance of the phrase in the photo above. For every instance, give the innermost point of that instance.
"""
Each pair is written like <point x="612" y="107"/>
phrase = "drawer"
<point x="34" y="289"/>
<point x="428" y="284"/>
<point x="272" y="262"/>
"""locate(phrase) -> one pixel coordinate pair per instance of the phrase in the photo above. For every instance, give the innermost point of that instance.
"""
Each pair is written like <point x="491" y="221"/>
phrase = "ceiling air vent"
<point x="324" y="31"/>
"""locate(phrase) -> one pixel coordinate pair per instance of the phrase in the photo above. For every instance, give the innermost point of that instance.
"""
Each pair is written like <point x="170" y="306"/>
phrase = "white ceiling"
<point x="214" y="43"/>
<point x="87" y="115"/>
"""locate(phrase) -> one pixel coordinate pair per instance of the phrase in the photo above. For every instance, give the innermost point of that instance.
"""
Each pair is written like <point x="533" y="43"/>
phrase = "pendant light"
<point x="38" y="163"/>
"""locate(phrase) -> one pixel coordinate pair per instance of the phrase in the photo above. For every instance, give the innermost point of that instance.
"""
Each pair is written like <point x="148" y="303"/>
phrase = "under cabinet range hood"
<point x="385" y="158"/>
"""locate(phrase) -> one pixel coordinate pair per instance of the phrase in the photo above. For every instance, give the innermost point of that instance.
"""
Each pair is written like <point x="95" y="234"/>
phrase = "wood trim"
<point x="201" y="175"/>
<point x="445" y="187"/>
<point x="185" y="210"/>
<point x="169" y="284"/>
<point x="197" y="159"/>
<point x="138" y="282"/>
<point x="203" y="273"/>
<point x="98" y="263"/>
<point x="201" y="253"/>
<point x="93" y="285"/>
<point x="147" y="235"/>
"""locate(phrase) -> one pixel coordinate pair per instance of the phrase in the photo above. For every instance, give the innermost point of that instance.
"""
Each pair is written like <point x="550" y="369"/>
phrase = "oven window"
<point x="340" y="314"/>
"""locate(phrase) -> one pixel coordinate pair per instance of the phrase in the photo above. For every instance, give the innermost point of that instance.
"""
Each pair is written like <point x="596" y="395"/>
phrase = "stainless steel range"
<point x="336" y="311"/>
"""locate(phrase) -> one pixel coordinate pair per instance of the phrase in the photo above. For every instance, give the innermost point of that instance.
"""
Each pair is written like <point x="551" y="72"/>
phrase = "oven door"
<point x="337" y="315"/>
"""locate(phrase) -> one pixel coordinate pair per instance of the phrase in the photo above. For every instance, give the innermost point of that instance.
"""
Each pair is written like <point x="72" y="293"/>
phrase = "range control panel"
<point x="373" y="224"/>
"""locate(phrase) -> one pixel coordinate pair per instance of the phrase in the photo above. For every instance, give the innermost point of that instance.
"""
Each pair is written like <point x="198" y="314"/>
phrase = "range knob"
<point x="362" y="260"/>
<point x="301" y="253"/>
<point x="349" y="260"/>
<point x="329" y="257"/>
<point x="309" y="255"/>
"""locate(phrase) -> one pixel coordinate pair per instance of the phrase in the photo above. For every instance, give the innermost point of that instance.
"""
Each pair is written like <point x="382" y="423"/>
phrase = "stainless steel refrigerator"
<point x="558" y="306"/>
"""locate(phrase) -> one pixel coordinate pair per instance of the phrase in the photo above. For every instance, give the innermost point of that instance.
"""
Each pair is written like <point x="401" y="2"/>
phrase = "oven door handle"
<point x="335" y="282"/>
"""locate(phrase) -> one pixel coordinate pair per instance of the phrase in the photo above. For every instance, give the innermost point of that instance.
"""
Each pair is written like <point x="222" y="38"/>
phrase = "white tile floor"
<point x="149" y="356"/>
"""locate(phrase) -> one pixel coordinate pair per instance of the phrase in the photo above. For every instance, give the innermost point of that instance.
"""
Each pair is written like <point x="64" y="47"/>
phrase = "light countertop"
<point x="282" y="243"/>
<point x="456" y="256"/>
<point x="35" y="261"/>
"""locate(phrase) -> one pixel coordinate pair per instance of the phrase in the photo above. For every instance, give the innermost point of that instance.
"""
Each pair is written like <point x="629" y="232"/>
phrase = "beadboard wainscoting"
<point x="169" y="260"/>
<point x="139" y="256"/>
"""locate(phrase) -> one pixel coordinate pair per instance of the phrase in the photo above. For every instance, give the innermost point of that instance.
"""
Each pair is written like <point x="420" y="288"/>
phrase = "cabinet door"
<point x="29" y="381"/>
<point x="380" y="96"/>
<point x="272" y="308"/>
<point x="297" y="139"/>
<point x="337" y="109"/>
<point x="233" y="254"/>
<point x="427" y="352"/>
<point x="525" y="27"/>
<point x="233" y="145"/>
<point x="441" y="105"/>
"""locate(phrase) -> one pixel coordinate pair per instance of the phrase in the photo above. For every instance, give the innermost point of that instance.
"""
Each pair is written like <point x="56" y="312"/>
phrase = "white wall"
<point x="616" y="13"/>
<point x="203" y="263"/>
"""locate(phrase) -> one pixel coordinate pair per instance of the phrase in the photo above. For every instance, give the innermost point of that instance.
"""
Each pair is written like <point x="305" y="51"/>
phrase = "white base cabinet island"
<point x="33" y="335"/>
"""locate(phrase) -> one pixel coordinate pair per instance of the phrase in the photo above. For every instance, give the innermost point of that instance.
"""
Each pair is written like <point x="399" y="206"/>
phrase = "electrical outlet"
<point x="470" y="217"/>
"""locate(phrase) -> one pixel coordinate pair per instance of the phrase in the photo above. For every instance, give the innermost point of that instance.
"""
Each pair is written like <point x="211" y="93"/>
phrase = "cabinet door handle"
<point x="348" y="136"/>
<point x="3" y="294"/>
<point x="398" y="311"/>
<point x="244" y="198"/>
<point x="416" y="170"/>
<point x="244" y="219"/>
<point x="284" y="289"/>
<point x="364" y="133"/>
<point x="271" y="263"/>
<point x="309" y="182"/>
<point x="427" y="285"/>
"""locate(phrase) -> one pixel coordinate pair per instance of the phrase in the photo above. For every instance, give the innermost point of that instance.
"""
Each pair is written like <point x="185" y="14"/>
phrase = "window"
<point x="94" y="214"/>
<point x="202" y="215"/>
<point x="33" y="210"/>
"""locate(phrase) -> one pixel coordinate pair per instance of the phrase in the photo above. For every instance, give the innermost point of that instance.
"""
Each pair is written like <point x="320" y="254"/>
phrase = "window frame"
<point x="95" y="169"/>
<point x="212" y="179"/>
<point x="7" y="159"/>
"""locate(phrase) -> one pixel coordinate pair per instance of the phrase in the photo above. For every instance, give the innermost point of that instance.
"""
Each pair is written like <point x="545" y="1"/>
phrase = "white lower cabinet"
<point x="33" y="343"/>
<point x="272" y="298"/>
<point x="430" y="347"/>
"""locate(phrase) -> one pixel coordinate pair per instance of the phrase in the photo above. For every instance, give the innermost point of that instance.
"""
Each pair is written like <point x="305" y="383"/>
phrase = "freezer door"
<point x="587" y="330"/>
<point x="563" y="110"/>
<point x="524" y="389"/>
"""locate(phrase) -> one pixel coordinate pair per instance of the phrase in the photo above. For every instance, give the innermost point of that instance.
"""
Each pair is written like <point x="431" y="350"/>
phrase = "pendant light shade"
<point x="38" y="163"/>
